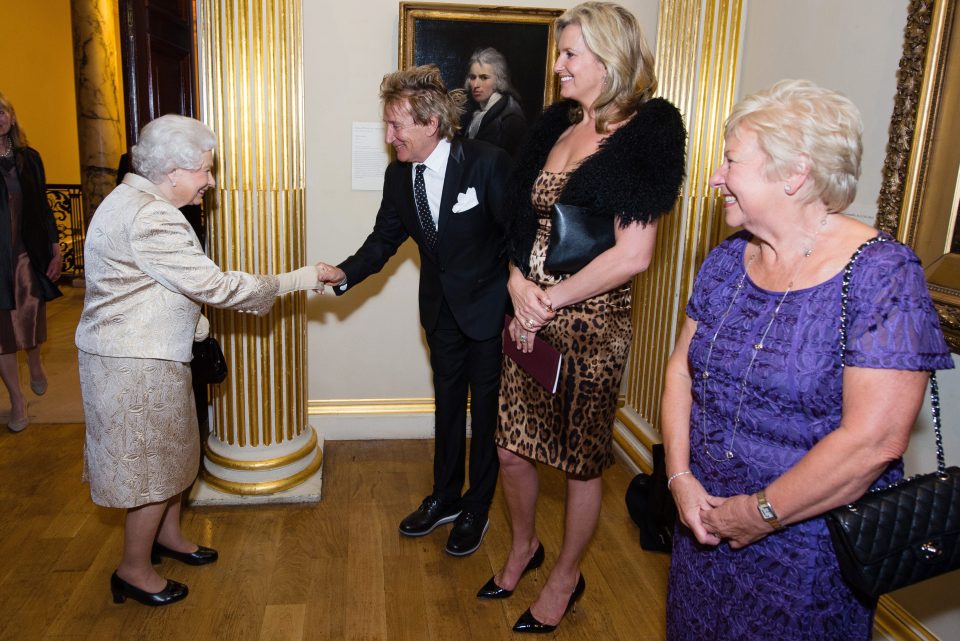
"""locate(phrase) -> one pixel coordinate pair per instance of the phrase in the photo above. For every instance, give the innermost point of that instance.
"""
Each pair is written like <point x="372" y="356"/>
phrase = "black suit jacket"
<point x="468" y="267"/>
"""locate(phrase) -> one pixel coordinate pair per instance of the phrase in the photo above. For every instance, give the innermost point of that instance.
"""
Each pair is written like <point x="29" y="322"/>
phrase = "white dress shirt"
<point x="433" y="177"/>
<point x="436" y="164"/>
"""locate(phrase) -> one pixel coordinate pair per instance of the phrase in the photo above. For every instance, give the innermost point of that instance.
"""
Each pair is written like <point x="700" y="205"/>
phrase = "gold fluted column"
<point x="251" y="94"/>
<point x="698" y="51"/>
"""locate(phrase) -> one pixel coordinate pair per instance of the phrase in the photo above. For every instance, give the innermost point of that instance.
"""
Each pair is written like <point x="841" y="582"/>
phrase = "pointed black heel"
<point x="491" y="590"/>
<point x="172" y="593"/>
<point x="528" y="624"/>
<point x="202" y="556"/>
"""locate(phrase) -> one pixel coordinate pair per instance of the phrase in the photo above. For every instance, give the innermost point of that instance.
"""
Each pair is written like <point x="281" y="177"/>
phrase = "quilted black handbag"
<point x="906" y="532"/>
<point x="208" y="366"/>
<point x="576" y="238"/>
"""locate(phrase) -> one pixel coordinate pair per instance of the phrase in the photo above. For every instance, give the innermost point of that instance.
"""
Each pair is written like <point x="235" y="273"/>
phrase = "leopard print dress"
<point x="572" y="429"/>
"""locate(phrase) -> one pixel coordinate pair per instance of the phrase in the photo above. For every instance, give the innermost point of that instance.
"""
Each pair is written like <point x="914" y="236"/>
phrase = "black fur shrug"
<point x="635" y="174"/>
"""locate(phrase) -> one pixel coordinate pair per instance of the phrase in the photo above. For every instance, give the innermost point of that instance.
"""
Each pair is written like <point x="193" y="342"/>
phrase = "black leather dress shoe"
<point x="431" y="513"/>
<point x="467" y="533"/>
<point x="201" y="557"/>
<point x="528" y="624"/>
<point x="491" y="590"/>
<point x="172" y="593"/>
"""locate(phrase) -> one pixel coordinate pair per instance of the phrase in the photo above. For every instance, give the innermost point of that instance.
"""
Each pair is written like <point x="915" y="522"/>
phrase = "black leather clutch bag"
<point x="576" y="238"/>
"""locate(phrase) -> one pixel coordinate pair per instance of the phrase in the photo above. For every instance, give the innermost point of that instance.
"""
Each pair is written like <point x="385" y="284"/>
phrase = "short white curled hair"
<point x="171" y="142"/>
<point x="801" y="125"/>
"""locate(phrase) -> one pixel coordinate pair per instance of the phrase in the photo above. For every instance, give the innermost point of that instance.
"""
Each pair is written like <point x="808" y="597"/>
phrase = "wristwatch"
<point x="766" y="511"/>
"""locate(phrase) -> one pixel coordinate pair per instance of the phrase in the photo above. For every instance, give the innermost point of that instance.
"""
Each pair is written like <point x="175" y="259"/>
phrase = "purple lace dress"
<point x="787" y="586"/>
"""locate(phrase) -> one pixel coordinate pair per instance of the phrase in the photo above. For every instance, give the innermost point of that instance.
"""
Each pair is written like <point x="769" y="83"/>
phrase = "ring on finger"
<point x="523" y="338"/>
<point x="529" y="323"/>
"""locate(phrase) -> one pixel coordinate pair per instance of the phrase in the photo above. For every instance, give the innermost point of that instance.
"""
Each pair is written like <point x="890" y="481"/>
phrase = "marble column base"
<point x="202" y="494"/>
<point x="237" y="476"/>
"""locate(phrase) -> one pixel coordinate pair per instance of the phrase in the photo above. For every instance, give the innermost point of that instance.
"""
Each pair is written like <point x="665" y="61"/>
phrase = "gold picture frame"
<point x="447" y="34"/>
<point x="920" y="195"/>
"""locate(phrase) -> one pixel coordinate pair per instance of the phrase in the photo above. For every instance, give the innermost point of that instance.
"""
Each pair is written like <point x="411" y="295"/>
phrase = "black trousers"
<point x="460" y="364"/>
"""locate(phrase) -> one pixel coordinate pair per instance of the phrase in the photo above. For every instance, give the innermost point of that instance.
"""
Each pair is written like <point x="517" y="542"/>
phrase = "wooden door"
<point x="159" y="60"/>
<point x="158" y="55"/>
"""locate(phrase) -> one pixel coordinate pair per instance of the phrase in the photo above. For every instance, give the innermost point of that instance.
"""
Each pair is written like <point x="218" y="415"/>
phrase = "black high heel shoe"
<point x="202" y="556"/>
<point x="172" y="593"/>
<point x="491" y="590"/>
<point x="528" y="624"/>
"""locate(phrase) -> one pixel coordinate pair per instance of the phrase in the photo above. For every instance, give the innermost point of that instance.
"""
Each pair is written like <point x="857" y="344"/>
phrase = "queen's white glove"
<point x="300" y="279"/>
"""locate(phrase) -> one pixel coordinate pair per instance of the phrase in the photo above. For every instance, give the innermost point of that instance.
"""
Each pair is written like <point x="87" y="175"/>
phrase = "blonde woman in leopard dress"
<point x="613" y="149"/>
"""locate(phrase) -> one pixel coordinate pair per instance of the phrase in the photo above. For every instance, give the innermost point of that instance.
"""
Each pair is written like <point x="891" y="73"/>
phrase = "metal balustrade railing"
<point x="66" y="201"/>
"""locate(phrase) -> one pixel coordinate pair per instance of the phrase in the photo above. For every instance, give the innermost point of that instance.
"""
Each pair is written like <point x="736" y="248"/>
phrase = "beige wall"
<point x="852" y="46"/>
<point x="37" y="50"/>
<point x="367" y="344"/>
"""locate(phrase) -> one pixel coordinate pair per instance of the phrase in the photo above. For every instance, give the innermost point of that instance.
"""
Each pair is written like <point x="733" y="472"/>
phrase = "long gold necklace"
<point x="728" y="452"/>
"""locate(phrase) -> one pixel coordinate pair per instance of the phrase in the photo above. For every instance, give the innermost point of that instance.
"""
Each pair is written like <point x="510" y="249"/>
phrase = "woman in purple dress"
<point x="764" y="428"/>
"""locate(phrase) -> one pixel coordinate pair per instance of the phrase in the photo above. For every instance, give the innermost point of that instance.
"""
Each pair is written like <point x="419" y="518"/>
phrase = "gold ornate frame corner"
<point x="920" y="194"/>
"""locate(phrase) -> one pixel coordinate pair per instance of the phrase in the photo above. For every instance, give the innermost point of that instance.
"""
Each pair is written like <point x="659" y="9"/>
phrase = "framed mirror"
<point x="920" y="196"/>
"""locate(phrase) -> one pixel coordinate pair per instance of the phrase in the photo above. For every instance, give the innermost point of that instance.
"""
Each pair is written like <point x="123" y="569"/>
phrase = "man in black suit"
<point x="445" y="194"/>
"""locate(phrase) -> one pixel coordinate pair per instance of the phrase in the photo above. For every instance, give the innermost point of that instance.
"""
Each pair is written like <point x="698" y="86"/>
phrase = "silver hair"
<point x="171" y="142"/>
<point x="495" y="60"/>
<point x="800" y="125"/>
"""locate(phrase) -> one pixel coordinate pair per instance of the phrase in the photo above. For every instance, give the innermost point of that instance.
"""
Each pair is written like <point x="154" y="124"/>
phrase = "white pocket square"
<point x="466" y="201"/>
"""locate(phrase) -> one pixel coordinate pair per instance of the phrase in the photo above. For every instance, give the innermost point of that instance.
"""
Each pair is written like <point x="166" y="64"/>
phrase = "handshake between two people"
<point x="307" y="278"/>
<point x="329" y="275"/>
<point x="314" y="278"/>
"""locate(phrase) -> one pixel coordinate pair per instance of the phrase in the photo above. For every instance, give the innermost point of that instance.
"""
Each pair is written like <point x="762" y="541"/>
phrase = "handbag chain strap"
<point x="934" y="388"/>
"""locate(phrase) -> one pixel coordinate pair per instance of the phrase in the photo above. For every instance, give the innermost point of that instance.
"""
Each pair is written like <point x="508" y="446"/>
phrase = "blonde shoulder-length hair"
<point x="614" y="36"/>
<point x="18" y="137"/>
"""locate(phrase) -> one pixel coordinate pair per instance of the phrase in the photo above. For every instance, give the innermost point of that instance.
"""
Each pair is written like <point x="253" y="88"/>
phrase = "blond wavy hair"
<point x="423" y="88"/>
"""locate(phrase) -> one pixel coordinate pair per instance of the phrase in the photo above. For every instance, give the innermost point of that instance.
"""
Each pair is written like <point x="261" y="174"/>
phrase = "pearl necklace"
<point x="728" y="452"/>
<point x="9" y="150"/>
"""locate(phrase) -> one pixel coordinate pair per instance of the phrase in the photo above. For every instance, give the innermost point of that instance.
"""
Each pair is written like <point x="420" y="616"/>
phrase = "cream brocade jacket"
<point x="147" y="275"/>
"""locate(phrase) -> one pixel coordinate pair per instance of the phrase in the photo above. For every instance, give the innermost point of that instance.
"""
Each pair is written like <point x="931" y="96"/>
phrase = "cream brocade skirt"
<point x="142" y="442"/>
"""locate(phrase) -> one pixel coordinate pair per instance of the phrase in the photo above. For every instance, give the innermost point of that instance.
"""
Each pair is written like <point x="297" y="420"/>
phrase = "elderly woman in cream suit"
<point x="146" y="277"/>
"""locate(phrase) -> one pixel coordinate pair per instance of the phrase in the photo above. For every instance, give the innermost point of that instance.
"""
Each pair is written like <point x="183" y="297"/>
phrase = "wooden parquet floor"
<point x="337" y="569"/>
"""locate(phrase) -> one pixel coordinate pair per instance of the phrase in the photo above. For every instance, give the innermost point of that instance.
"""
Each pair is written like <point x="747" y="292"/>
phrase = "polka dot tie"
<point x="423" y="207"/>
